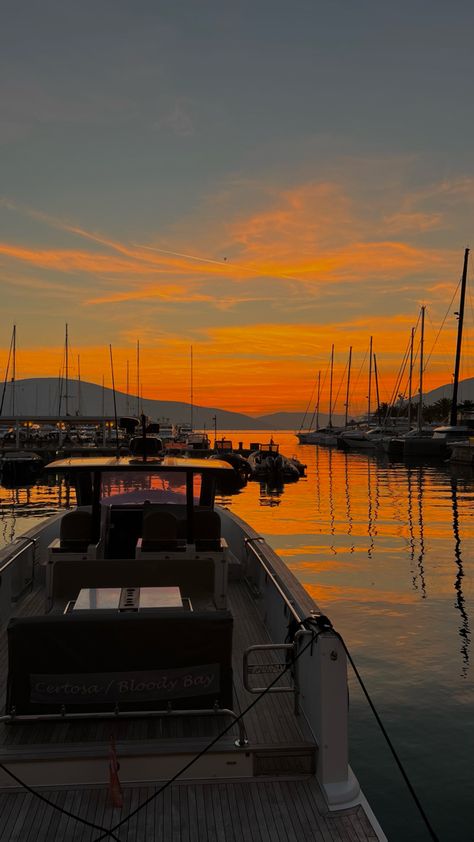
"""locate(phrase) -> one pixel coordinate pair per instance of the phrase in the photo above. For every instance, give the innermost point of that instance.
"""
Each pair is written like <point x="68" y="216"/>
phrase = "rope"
<point x="405" y="777"/>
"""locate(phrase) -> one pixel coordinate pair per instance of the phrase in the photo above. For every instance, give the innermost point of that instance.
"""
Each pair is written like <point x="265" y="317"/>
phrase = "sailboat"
<point x="323" y="435"/>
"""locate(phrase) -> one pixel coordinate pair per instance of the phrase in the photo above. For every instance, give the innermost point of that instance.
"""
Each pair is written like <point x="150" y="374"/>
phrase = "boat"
<point x="165" y="668"/>
<point x="19" y="467"/>
<point x="325" y="436"/>
<point x="267" y="462"/>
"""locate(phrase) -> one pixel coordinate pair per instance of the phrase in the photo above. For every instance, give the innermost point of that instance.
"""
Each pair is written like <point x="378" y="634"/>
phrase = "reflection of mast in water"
<point x="464" y="629"/>
<point x="348" y="501"/>
<point x="318" y="480"/>
<point x="331" y="501"/>
<point x="411" y="530"/>
<point x="421" y="554"/>
<point x="372" y="513"/>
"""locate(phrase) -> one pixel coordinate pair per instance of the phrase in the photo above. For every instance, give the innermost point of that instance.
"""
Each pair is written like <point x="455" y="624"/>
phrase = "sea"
<point x="386" y="550"/>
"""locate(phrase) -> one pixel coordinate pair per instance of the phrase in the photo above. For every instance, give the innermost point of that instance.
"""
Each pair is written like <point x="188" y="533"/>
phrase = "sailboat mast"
<point x="348" y="386"/>
<point x="377" y="396"/>
<point x="410" y="375"/>
<point x="128" y="388"/>
<point x="192" y="395"/>
<point x="7" y="370"/>
<point x="319" y="398"/>
<point x="454" y="403"/>
<point x="370" y="381"/>
<point x="66" y="396"/>
<point x="14" y="370"/>
<point x="138" y="378"/>
<point x="422" y="342"/>
<point x="330" y="387"/>
<point x="78" y="385"/>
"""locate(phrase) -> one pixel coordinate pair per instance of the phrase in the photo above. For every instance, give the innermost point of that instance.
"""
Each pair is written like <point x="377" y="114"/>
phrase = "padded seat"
<point x="75" y="531"/>
<point x="207" y="531"/>
<point x="159" y="531"/>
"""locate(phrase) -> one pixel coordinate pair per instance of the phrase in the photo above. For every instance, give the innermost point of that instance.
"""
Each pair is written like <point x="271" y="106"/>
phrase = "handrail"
<point x="120" y="714"/>
<point x="249" y="543"/>
<point x="12" y="558"/>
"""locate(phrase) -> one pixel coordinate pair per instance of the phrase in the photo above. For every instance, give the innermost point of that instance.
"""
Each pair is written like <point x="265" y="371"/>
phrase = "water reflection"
<point x="464" y="629"/>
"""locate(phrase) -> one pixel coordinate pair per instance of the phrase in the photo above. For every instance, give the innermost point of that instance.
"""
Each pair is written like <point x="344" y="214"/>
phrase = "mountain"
<point x="41" y="396"/>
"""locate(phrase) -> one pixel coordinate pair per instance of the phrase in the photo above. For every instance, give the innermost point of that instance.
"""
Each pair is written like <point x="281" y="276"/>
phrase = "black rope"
<point x="384" y="732"/>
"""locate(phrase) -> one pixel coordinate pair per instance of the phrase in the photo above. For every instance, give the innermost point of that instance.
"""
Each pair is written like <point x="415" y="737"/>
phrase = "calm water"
<point x="386" y="551"/>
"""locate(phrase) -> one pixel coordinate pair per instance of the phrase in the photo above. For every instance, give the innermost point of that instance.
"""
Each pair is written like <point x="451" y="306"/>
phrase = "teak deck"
<point x="280" y="802"/>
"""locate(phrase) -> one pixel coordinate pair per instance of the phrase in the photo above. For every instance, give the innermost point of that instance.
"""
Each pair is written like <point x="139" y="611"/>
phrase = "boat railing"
<point x="21" y="562"/>
<point x="136" y="714"/>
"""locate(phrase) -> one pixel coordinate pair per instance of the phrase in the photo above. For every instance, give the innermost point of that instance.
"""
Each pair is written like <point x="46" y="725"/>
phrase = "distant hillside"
<point x="41" y="396"/>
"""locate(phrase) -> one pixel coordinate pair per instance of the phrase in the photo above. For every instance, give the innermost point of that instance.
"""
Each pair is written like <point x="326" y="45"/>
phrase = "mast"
<point x="78" y="385"/>
<point x="330" y="387"/>
<point x="454" y="403"/>
<point x="7" y="371"/>
<point x="138" y="378"/>
<point x="128" y="387"/>
<point x="103" y="396"/>
<point x="377" y="389"/>
<point x="422" y="340"/>
<point x="348" y="386"/>
<point x="410" y="375"/>
<point x="66" y="396"/>
<point x="370" y="382"/>
<point x="319" y="397"/>
<point x="14" y="369"/>
<point x="192" y="396"/>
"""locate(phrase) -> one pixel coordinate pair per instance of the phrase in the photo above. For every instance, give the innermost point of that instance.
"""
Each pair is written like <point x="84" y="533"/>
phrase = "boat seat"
<point x="159" y="531"/>
<point x="207" y="531"/>
<point x="89" y="663"/>
<point x="75" y="530"/>
<point x="197" y="576"/>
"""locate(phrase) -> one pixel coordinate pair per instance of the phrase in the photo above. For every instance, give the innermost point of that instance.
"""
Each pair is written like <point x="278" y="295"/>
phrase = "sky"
<point x="257" y="181"/>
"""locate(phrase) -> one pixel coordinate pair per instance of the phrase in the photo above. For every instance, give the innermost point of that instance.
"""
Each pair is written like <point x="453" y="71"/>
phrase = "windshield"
<point x="138" y="486"/>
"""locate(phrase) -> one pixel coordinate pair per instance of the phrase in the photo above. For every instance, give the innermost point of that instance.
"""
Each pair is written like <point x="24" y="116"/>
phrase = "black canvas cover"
<point x="146" y="661"/>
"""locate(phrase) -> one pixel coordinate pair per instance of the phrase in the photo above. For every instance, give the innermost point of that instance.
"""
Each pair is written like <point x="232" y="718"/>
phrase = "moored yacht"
<point x="153" y="630"/>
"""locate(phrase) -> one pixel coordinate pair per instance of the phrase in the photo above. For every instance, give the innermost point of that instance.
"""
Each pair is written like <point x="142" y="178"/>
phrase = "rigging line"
<point x="314" y="636"/>
<point x="307" y="408"/>
<point x="341" y="382"/>
<point x="388" y="741"/>
<point x="442" y="325"/>
<point x="6" y="374"/>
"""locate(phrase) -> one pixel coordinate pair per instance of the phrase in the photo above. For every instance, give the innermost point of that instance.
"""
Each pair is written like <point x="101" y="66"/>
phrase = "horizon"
<point x="248" y="182"/>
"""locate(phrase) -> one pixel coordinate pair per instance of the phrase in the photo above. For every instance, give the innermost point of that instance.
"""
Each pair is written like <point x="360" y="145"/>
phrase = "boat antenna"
<point x="460" y="316"/>
<point x="7" y="370"/>
<point x="115" y="401"/>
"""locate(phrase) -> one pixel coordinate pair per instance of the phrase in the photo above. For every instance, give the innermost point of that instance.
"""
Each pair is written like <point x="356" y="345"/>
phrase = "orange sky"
<point x="309" y="269"/>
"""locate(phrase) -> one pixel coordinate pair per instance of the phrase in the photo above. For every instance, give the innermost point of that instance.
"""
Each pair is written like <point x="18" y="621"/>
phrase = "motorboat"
<point x="18" y="467"/>
<point x="158" y="653"/>
<point x="268" y="462"/>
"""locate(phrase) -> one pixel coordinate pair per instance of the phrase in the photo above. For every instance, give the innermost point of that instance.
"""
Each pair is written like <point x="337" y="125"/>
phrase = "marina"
<point x="383" y="548"/>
